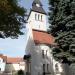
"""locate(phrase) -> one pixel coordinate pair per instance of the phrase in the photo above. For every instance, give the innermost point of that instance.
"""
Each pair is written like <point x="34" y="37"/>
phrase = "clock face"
<point x="37" y="5"/>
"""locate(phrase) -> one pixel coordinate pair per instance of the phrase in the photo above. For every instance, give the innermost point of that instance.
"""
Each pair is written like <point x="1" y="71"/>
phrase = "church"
<point x="39" y="58"/>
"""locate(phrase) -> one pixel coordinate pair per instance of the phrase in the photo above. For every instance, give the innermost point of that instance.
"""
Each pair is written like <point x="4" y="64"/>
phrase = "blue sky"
<point x="16" y="47"/>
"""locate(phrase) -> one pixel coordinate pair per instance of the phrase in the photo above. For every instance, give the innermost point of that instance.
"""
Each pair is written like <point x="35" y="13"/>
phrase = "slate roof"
<point x="41" y="37"/>
<point x="37" y="9"/>
<point x="36" y="1"/>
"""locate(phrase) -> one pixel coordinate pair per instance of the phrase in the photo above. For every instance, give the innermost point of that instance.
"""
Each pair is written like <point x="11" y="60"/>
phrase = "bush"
<point x="20" y="72"/>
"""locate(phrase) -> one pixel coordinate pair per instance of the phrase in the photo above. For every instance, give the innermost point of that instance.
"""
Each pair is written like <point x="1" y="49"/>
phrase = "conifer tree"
<point x="62" y="20"/>
<point x="12" y="17"/>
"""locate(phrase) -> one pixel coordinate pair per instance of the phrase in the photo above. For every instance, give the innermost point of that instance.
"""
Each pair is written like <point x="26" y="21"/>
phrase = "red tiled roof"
<point x="41" y="37"/>
<point x="11" y="60"/>
<point x="14" y="60"/>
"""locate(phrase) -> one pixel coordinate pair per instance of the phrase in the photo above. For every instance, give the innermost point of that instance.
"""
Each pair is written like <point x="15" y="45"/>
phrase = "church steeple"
<point x="37" y="7"/>
<point x="36" y="2"/>
<point x="37" y="16"/>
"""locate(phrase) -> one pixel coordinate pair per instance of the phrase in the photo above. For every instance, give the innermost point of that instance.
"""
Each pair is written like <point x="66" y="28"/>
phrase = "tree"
<point x="62" y="19"/>
<point x="12" y="17"/>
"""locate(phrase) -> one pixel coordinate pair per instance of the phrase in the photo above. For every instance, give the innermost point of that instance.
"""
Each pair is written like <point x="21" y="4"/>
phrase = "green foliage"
<point x="62" y="19"/>
<point x="12" y="17"/>
<point x="20" y="72"/>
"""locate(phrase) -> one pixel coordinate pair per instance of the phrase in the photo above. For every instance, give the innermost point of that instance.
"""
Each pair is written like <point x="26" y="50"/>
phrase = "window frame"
<point x="47" y="67"/>
<point x="38" y="17"/>
<point x="43" y="55"/>
<point x="43" y="67"/>
<point x="35" y="16"/>
<point x="41" y="17"/>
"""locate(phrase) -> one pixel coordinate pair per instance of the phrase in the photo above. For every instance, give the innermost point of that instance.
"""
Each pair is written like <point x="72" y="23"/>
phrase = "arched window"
<point x="47" y="67"/>
<point x="47" y="54"/>
<point x="35" y="16"/>
<point x="43" y="54"/>
<point x="41" y="17"/>
<point x="38" y="17"/>
<point x="43" y="67"/>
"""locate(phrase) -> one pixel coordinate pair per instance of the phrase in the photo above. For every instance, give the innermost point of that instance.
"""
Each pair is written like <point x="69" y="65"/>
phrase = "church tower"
<point x="38" y="49"/>
<point x="37" y="16"/>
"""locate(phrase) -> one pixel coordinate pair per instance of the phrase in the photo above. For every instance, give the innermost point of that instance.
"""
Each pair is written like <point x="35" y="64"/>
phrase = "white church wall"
<point x="29" y="46"/>
<point x="36" y="57"/>
<point x="37" y="60"/>
<point x="30" y="42"/>
<point x="47" y="58"/>
<point x="37" y="24"/>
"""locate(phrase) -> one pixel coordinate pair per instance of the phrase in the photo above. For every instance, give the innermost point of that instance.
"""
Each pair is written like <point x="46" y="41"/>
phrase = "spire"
<point x="36" y="2"/>
<point x="37" y="7"/>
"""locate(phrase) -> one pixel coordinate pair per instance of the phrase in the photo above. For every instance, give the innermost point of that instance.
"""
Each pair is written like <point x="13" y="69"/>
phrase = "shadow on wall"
<point x="27" y="56"/>
<point x="42" y="62"/>
<point x="48" y="63"/>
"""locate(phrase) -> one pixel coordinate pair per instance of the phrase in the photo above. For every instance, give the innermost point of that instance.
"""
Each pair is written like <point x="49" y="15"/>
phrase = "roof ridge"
<point x="39" y="30"/>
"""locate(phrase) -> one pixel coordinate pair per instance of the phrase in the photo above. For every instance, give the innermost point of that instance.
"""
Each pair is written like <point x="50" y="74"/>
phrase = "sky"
<point x="16" y="47"/>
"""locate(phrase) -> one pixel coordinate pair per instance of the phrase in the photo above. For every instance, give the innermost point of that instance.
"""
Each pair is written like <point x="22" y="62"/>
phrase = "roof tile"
<point x="14" y="60"/>
<point x="41" y="37"/>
